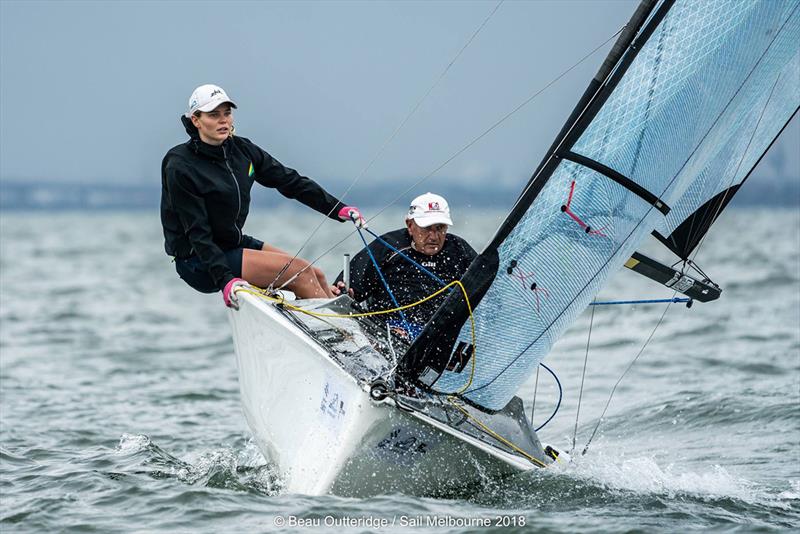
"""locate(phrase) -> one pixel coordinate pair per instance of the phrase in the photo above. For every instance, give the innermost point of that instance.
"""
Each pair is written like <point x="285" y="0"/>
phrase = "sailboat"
<point x="689" y="99"/>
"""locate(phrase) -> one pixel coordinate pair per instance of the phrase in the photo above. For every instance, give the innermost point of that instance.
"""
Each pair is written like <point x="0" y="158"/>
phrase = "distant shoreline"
<point x="52" y="196"/>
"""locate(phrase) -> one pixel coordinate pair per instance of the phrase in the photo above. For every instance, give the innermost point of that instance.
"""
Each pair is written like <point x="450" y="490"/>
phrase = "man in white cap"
<point x="426" y="241"/>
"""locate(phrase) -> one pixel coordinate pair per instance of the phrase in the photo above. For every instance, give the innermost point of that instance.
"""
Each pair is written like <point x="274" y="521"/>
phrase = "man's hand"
<point x="400" y="332"/>
<point x="351" y="213"/>
<point x="338" y="287"/>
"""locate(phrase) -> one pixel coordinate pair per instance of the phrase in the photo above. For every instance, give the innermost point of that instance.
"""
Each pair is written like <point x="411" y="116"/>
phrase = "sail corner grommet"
<point x="379" y="390"/>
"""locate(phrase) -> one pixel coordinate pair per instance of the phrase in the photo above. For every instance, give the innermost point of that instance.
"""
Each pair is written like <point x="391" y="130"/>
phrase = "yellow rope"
<point x="495" y="435"/>
<point x="282" y="301"/>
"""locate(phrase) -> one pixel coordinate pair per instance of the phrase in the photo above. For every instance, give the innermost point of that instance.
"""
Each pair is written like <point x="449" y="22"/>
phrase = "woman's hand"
<point x="351" y="213"/>
<point x="229" y="293"/>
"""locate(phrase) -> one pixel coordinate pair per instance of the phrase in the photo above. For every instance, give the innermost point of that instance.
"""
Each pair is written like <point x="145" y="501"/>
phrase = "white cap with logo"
<point x="206" y="98"/>
<point x="429" y="209"/>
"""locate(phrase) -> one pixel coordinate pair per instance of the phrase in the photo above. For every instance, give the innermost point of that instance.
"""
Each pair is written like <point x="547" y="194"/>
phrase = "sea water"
<point x="119" y="400"/>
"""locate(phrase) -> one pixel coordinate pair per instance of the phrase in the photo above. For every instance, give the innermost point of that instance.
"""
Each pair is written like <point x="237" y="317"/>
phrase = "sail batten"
<point x="624" y="181"/>
<point x="663" y="130"/>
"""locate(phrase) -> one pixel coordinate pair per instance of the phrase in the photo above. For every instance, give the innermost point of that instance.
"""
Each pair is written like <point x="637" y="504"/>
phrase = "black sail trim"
<point x="430" y="352"/>
<point x="689" y="233"/>
<point x="621" y="179"/>
<point x="683" y="242"/>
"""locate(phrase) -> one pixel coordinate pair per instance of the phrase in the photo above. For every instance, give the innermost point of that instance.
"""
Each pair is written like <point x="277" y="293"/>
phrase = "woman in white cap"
<point x="205" y="199"/>
<point x="424" y="239"/>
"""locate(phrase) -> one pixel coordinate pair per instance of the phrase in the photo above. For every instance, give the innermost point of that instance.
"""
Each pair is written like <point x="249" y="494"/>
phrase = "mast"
<point x="665" y="126"/>
<point x="432" y="348"/>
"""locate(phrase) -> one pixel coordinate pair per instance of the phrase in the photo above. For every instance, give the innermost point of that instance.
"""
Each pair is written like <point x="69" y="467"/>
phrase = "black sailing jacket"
<point x="408" y="283"/>
<point x="205" y="196"/>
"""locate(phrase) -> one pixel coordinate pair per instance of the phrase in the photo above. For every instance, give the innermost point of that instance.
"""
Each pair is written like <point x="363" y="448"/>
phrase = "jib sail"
<point x="691" y="96"/>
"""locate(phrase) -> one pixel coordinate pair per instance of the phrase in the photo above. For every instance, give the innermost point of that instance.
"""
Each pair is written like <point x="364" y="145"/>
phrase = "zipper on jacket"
<point x="238" y="193"/>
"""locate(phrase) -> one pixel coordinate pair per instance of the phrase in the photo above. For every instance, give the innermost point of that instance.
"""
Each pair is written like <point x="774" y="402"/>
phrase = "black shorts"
<point x="194" y="273"/>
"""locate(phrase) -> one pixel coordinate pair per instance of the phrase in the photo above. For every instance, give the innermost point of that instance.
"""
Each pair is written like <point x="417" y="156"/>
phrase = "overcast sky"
<point x="92" y="91"/>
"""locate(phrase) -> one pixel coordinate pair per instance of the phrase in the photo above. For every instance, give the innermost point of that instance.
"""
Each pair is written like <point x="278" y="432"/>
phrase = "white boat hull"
<point x="324" y="434"/>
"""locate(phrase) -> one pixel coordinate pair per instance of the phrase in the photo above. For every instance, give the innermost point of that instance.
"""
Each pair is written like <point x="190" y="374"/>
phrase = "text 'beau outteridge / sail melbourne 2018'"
<point x="687" y="103"/>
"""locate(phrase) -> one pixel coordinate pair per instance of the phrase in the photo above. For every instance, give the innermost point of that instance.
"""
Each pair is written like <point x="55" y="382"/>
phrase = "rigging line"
<point x="499" y="122"/>
<point x="583" y="379"/>
<point x="384" y="282"/>
<point x="668" y="305"/>
<point x="572" y="126"/>
<point x="495" y="435"/>
<point x="651" y="91"/>
<point x="744" y="154"/>
<point x="726" y="191"/>
<point x="405" y="257"/>
<point x="462" y="150"/>
<point x="697" y="268"/>
<point x="535" y="391"/>
<point x="263" y="294"/>
<point x="394" y="134"/>
<point x="735" y="174"/>
<point x="614" y="389"/>
<point x="647" y="213"/>
<point x="560" y="397"/>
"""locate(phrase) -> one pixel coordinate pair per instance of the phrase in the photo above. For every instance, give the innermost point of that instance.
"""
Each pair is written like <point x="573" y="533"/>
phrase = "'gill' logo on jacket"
<point x="251" y="171"/>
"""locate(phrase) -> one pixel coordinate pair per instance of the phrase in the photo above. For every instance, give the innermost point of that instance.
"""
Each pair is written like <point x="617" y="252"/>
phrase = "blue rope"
<point x="426" y="271"/>
<point x="417" y="265"/>
<point x="652" y="301"/>
<point x="383" y="280"/>
<point x="560" y="395"/>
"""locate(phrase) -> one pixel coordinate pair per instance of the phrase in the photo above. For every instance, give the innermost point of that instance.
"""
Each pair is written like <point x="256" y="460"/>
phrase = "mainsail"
<point x="690" y="98"/>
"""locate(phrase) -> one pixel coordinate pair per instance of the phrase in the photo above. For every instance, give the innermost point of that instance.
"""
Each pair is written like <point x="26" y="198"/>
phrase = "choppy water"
<point x="119" y="402"/>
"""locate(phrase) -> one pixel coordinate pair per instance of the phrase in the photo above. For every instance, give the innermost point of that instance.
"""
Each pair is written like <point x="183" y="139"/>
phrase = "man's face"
<point x="428" y="240"/>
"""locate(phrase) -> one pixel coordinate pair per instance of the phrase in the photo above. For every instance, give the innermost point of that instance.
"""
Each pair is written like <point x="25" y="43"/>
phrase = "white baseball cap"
<point x="429" y="209"/>
<point x="206" y="98"/>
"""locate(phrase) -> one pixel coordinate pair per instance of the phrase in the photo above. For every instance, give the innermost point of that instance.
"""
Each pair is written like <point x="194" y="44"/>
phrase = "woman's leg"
<point x="323" y="282"/>
<point x="260" y="267"/>
<point x="270" y="248"/>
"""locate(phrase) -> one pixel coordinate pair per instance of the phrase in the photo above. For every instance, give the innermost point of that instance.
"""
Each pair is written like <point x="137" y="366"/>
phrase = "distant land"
<point x="59" y="196"/>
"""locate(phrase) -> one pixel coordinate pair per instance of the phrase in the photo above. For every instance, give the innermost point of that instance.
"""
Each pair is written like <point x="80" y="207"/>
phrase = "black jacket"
<point x="205" y="196"/>
<point x="408" y="283"/>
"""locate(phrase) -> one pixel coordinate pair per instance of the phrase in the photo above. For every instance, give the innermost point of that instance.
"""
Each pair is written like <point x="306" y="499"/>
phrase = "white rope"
<point x="386" y="144"/>
<point x="691" y="261"/>
<point x="630" y="365"/>
<point x="735" y="174"/>
<point x="462" y="150"/>
<point x="583" y="378"/>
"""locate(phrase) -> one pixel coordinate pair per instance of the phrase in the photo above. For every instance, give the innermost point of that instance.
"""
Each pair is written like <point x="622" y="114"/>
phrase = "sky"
<point x="93" y="91"/>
